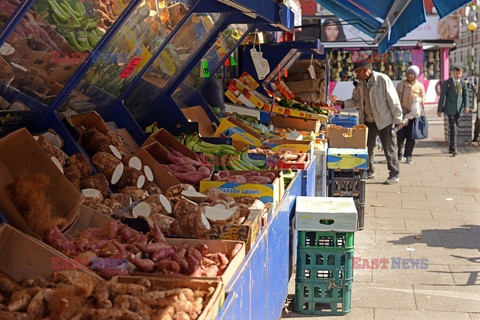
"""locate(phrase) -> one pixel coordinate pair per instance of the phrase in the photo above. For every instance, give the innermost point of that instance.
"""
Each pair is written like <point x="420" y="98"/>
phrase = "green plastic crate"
<point x="320" y="264"/>
<point x="325" y="297"/>
<point x="322" y="239"/>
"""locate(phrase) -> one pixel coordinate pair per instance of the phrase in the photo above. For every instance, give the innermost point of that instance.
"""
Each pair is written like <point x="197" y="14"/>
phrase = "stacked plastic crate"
<point x="464" y="130"/>
<point x="325" y="251"/>
<point x="346" y="176"/>
<point x="345" y="121"/>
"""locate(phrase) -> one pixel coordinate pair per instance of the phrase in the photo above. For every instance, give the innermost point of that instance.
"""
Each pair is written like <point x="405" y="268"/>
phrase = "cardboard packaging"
<point x="337" y="214"/>
<point x="339" y="137"/>
<point x="247" y="232"/>
<point x="233" y="128"/>
<point x="247" y="79"/>
<point x="21" y="155"/>
<point x="294" y="146"/>
<point x="297" y="124"/>
<point x="266" y="193"/>
<point x="343" y="158"/>
<point x="198" y="114"/>
<point x="22" y="256"/>
<point x="212" y="303"/>
<point x="167" y="140"/>
<point x="153" y="155"/>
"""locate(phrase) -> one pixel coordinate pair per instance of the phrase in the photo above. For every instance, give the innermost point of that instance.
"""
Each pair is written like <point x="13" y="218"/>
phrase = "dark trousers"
<point x="452" y="125"/>
<point x="388" y="145"/>
<point x="405" y="134"/>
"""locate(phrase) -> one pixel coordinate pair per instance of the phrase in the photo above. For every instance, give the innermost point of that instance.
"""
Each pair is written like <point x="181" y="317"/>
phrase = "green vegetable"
<point x="70" y="37"/>
<point x="58" y="12"/>
<point x="72" y="11"/>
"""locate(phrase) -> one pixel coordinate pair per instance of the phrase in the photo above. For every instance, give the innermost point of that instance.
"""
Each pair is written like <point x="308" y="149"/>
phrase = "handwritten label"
<point x="130" y="67"/>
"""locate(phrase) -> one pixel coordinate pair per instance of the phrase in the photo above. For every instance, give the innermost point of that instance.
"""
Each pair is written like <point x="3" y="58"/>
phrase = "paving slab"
<point x="411" y="272"/>
<point x="383" y="295"/>
<point x="419" y="315"/>
<point x="466" y="275"/>
<point x="390" y="223"/>
<point x="380" y="212"/>
<point x="447" y="298"/>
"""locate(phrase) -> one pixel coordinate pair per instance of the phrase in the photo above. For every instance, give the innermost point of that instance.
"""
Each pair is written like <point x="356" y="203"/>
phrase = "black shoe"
<point x="400" y="157"/>
<point x="454" y="153"/>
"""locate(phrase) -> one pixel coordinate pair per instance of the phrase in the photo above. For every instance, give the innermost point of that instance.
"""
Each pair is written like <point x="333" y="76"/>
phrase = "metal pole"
<point x="472" y="65"/>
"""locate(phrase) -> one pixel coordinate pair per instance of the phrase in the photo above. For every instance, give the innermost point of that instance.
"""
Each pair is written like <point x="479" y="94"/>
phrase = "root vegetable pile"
<point x="186" y="169"/>
<point x="257" y="177"/>
<point x="132" y="251"/>
<point x="74" y="295"/>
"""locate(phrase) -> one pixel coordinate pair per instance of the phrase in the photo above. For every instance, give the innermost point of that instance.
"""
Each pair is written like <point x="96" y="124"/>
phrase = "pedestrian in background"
<point x="379" y="109"/>
<point x="409" y="91"/>
<point x="453" y="102"/>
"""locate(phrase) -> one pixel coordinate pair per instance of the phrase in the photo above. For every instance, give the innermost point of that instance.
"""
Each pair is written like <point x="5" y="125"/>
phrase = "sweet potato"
<point x="98" y="182"/>
<point x="162" y="254"/>
<point x="124" y="233"/>
<point x="236" y="179"/>
<point x="151" y="247"/>
<point x="156" y="234"/>
<point x="57" y="240"/>
<point x="108" y="274"/>
<point x="193" y="178"/>
<point x="167" y="267"/>
<point x="259" y="180"/>
<point x="7" y="285"/>
<point x="78" y="162"/>
<point x="20" y="299"/>
<point x="143" y="265"/>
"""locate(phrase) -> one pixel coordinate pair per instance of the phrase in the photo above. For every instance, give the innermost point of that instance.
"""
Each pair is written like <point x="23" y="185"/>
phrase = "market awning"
<point x="390" y="20"/>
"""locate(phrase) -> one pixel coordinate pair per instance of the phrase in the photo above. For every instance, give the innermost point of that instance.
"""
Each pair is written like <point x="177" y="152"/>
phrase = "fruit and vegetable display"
<point x="73" y="294"/>
<point x="220" y="156"/>
<point x="313" y="108"/>
<point x="133" y="251"/>
<point x="253" y="123"/>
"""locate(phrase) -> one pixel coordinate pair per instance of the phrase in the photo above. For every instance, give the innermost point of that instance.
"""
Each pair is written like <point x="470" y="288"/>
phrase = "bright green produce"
<point x="288" y="176"/>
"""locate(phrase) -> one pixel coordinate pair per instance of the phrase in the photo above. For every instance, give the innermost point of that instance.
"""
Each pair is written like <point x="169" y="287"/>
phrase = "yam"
<point x="163" y="206"/>
<point x="6" y="71"/>
<point x="7" y="285"/>
<point x="162" y="221"/>
<point x="73" y="176"/>
<point x="98" y="206"/>
<point x="131" y="177"/>
<point x="92" y="194"/>
<point x="97" y="181"/>
<point x="193" y="225"/>
<point x="135" y="193"/>
<point x="124" y="199"/>
<point x="148" y="173"/>
<point x="143" y="209"/>
<point x="113" y="151"/>
<point x="185" y="207"/>
<point x="114" y="205"/>
<point x="78" y="162"/>
<point x="132" y="161"/>
<point x="93" y="141"/>
<point x="194" y="195"/>
<point x="109" y="165"/>
<point x="51" y="150"/>
<point x="174" y="193"/>
<point x="116" y="140"/>
<point x="151" y="187"/>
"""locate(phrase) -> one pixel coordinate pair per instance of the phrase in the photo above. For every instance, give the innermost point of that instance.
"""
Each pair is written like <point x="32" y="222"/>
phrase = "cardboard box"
<point x="266" y="193"/>
<point x="167" y="140"/>
<point x="344" y="158"/>
<point x="198" y="114"/>
<point x="153" y="155"/>
<point x="297" y="124"/>
<point x="212" y="303"/>
<point x="282" y="164"/>
<point x="22" y="256"/>
<point x="249" y="80"/>
<point x="230" y="95"/>
<point x="337" y="214"/>
<point x="223" y="246"/>
<point x="89" y="120"/>
<point x="233" y="128"/>
<point x="339" y="137"/>
<point x="295" y="113"/>
<point x="294" y="146"/>
<point x="21" y="155"/>
<point x="247" y="232"/>
<point x="276" y="108"/>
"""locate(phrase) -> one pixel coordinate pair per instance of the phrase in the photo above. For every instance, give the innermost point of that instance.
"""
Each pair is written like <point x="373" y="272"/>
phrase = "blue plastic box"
<point x="344" y="158"/>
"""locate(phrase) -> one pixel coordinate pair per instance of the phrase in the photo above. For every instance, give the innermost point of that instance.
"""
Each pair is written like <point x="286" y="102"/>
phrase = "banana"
<point x="190" y="144"/>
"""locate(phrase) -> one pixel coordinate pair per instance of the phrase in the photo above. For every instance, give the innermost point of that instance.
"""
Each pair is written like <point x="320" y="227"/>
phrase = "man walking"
<point x="379" y="109"/>
<point x="453" y="102"/>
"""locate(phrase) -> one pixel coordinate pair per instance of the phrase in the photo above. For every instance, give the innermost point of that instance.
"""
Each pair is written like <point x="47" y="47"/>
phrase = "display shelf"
<point x="260" y="287"/>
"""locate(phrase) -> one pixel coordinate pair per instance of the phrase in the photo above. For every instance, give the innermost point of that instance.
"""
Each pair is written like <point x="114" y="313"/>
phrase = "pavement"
<point x="433" y="213"/>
